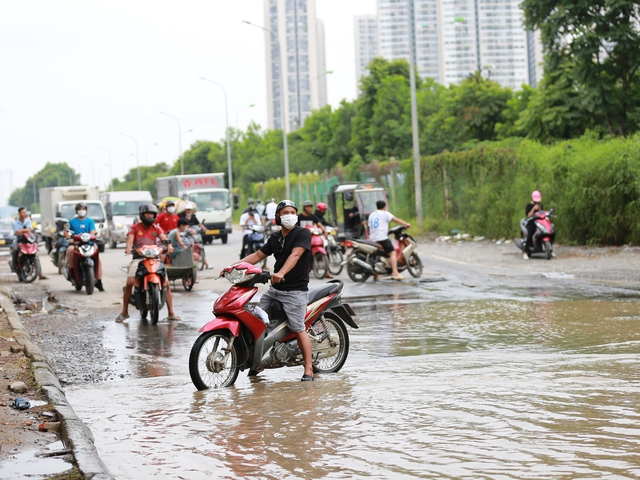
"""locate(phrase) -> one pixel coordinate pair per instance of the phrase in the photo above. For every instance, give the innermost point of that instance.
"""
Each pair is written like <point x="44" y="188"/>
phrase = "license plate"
<point x="212" y="232"/>
<point x="3" y="241"/>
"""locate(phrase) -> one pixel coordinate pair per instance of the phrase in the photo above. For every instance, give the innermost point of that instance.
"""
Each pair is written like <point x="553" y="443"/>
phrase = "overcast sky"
<point x="74" y="74"/>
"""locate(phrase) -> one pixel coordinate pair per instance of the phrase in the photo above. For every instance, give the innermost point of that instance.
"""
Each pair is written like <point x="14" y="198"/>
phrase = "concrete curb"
<point x="74" y="433"/>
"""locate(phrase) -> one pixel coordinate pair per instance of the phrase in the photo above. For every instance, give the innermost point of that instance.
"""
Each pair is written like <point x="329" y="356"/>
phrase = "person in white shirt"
<point x="270" y="211"/>
<point x="250" y="217"/>
<point x="378" y="224"/>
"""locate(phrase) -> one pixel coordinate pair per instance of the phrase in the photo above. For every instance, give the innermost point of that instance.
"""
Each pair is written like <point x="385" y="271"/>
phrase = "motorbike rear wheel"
<point x="187" y="280"/>
<point x="154" y="296"/>
<point x="319" y="265"/>
<point x="336" y="334"/>
<point x="29" y="271"/>
<point x="212" y="363"/>
<point x="357" y="273"/>
<point x="88" y="279"/>
<point x="414" y="266"/>
<point x="202" y="258"/>
<point x="335" y="259"/>
<point x="547" y="249"/>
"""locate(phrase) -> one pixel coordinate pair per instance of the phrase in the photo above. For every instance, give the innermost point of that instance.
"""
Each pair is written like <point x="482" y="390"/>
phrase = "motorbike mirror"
<point x="552" y="209"/>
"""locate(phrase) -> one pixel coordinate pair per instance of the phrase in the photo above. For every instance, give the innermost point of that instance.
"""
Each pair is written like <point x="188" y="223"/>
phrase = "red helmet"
<point x="322" y="207"/>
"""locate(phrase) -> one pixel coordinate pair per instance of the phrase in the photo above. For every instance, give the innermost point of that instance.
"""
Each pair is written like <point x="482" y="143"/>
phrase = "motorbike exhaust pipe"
<point x="362" y="264"/>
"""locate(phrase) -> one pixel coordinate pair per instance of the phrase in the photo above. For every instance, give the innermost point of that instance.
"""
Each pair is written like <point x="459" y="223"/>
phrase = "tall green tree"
<point x="602" y="40"/>
<point x="51" y="175"/>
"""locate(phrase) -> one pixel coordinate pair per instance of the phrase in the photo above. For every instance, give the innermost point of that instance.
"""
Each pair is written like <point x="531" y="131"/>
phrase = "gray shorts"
<point x="293" y="302"/>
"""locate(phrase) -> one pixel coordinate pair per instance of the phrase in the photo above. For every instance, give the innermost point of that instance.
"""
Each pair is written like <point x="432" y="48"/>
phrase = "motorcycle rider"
<point x="321" y="209"/>
<point x="291" y="248"/>
<point x="250" y="203"/>
<point x="270" y="211"/>
<point x="78" y="225"/>
<point x="144" y="232"/>
<point x="308" y="219"/>
<point x="251" y="217"/>
<point x="194" y="224"/>
<point x="532" y="207"/>
<point x="378" y="224"/>
<point x="21" y="226"/>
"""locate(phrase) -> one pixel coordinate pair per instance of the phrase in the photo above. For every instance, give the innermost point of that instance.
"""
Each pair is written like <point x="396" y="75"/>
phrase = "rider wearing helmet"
<point x="321" y="209"/>
<point x="145" y="232"/>
<point x="532" y="207"/>
<point x="291" y="248"/>
<point x="78" y="225"/>
<point x="250" y="203"/>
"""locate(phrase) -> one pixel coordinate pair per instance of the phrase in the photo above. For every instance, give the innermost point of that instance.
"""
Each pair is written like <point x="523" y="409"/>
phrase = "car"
<point x="6" y="232"/>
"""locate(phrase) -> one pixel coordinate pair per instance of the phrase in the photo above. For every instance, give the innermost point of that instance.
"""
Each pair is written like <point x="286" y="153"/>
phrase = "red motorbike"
<point x="28" y="267"/>
<point x="84" y="263"/>
<point x="545" y="230"/>
<point x="150" y="287"/>
<point x="319" y="262"/>
<point x="238" y="339"/>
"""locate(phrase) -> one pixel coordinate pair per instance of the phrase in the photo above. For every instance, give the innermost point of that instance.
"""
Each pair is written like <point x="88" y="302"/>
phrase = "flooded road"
<point x="525" y="381"/>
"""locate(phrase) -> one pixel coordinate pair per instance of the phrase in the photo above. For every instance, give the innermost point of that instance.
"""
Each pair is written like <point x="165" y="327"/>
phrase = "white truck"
<point x="208" y="192"/>
<point x="61" y="202"/>
<point x="122" y="210"/>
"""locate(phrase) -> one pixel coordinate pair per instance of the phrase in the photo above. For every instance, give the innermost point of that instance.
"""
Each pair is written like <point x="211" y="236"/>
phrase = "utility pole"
<point x="417" y="171"/>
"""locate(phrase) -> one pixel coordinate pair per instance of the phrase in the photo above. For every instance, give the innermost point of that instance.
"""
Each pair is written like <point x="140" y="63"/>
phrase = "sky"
<point x="76" y="75"/>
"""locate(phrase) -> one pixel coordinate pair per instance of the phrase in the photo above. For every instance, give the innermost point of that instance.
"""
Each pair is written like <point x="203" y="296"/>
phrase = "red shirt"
<point x="144" y="235"/>
<point x="167" y="221"/>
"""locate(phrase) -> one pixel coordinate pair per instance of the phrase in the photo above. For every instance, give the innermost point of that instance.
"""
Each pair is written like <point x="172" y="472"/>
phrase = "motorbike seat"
<point x="370" y="242"/>
<point x="319" y="291"/>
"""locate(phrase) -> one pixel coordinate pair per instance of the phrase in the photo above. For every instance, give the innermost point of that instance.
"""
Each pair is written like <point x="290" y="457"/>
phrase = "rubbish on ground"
<point x="21" y="403"/>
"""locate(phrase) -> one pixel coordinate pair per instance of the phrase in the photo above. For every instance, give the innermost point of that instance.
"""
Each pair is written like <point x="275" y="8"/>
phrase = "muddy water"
<point x="501" y="388"/>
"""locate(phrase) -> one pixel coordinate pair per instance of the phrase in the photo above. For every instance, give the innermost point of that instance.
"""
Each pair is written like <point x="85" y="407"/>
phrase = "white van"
<point x="122" y="210"/>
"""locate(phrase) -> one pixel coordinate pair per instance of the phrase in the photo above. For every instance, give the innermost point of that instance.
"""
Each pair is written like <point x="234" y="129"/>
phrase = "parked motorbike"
<point x="59" y="252"/>
<point x="237" y="339"/>
<point x="335" y="256"/>
<point x="318" y="253"/>
<point x="28" y="265"/>
<point x="84" y="262"/>
<point x="255" y="242"/>
<point x="542" y="237"/>
<point x="367" y="258"/>
<point x="150" y="288"/>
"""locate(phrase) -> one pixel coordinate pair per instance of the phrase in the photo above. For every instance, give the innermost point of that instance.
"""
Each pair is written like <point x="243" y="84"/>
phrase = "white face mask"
<point x="171" y="209"/>
<point x="82" y="213"/>
<point x="289" y="221"/>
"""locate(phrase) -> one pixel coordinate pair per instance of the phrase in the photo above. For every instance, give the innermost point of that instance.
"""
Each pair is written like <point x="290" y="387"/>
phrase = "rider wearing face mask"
<point x="78" y="225"/>
<point x="291" y="248"/>
<point x="168" y="219"/>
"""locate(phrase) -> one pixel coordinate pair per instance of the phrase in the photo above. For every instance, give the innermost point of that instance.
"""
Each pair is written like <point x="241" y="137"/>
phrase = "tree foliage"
<point x="51" y="175"/>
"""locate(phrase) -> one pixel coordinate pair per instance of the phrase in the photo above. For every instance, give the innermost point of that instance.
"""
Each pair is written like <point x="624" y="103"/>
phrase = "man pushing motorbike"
<point x="145" y="232"/>
<point x="379" y="231"/>
<point x="291" y="248"/>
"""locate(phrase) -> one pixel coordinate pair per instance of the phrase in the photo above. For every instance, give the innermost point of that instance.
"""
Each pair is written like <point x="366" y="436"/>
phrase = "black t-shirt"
<point x="529" y="206"/>
<point x="298" y="277"/>
<point x="321" y="219"/>
<point x="304" y="220"/>
<point x="192" y="221"/>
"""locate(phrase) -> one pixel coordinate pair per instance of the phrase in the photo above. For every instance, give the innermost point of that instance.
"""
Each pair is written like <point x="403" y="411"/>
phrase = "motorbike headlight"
<point x="149" y="252"/>
<point x="542" y="228"/>
<point x="85" y="237"/>
<point x="118" y="226"/>
<point x="238" y="275"/>
<point x="87" y="250"/>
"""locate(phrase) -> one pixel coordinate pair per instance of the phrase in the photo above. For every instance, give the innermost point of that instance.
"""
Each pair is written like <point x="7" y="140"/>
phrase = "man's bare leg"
<point x="305" y="347"/>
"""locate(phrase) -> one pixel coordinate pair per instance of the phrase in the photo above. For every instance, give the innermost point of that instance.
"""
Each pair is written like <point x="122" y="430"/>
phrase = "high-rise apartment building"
<point x="297" y="38"/>
<point x="454" y="38"/>
<point x="366" y="37"/>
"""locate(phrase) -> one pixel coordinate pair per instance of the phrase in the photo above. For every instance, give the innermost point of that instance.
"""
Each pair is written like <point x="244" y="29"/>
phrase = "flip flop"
<point x="121" y="318"/>
<point x="306" y="378"/>
<point x="174" y="318"/>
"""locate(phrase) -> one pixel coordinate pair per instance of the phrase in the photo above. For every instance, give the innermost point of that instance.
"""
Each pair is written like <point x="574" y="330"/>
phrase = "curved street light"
<point x="110" y="170"/>
<point x="226" y="112"/>
<point x="284" y="123"/>
<point x="242" y="110"/>
<point x="179" y="141"/>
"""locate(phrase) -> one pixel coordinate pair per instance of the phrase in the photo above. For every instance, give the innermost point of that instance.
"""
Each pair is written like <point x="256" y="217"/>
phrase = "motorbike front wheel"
<point x="88" y="279"/>
<point x="212" y="362"/>
<point x="332" y="331"/>
<point x="357" y="273"/>
<point x="29" y="271"/>
<point x="319" y="265"/>
<point x="547" y="249"/>
<point x="335" y="261"/>
<point x="154" y="297"/>
<point x="415" y="265"/>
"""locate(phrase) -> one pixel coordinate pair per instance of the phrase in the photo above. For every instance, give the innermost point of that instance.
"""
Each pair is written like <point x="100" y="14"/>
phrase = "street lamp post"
<point x="110" y="171"/>
<point x="93" y="170"/>
<point x="179" y="141"/>
<point x="226" y="113"/>
<point x="242" y="110"/>
<point x="146" y="156"/>
<point x="137" y="159"/>
<point x="282" y="116"/>
<point x="414" y="116"/>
